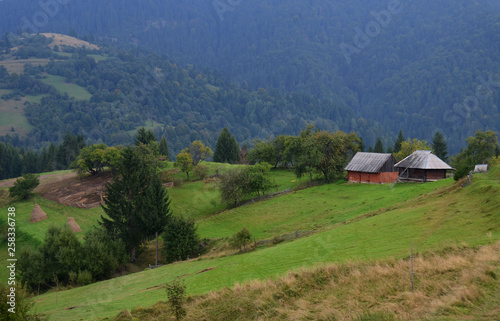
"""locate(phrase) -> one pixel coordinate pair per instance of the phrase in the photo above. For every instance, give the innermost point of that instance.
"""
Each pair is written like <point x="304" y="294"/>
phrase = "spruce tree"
<point x="136" y="204"/>
<point x="163" y="148"/>
<point x="226" y="149"/>
<point x="398" y="142"/>
<point x="144" y="136"/>
<point x="439" y="147"/>
<point x="362" y="146"/>
<point x="379" y="147"/>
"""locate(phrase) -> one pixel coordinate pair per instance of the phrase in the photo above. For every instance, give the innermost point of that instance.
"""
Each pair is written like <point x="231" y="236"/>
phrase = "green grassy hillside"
<point x="64" y="87"/>
<point x="445" y="216"/>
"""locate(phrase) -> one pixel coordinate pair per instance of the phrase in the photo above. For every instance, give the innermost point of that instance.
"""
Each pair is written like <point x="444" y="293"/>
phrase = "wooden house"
<point x="423" y="166"/>
<point x="371" y="168"/>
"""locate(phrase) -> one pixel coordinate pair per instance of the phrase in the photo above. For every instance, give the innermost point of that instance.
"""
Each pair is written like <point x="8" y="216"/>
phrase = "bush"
<point x="201" y="171"/>
<point x="241" y="239"/>
<point x="176" y="293"/>
<point x="277" y="239"/>
<point x="180" y="240"/>
<point x="23" y="187"/>
<point x="23" y="306"/>
<point x="73" y="277"/>
<point x="101" y="254"/>
<point x="84" y="277"/>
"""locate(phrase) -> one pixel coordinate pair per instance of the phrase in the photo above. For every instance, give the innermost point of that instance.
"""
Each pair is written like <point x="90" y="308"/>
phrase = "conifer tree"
<point x="398" y="142"/>
<point x="439" y="147"/>
<point x="226" y="149"/>
<point x="144" y="136"/>
<point x="163" y="148"/>
<point x="379" y="147"/>
<point x="362" y="146"/>
<point x="136" y="204"/>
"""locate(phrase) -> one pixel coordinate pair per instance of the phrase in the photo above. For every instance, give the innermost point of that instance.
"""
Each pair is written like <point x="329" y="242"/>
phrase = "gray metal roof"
<point x="367" y="162"/>
<point x="423" y="159"/>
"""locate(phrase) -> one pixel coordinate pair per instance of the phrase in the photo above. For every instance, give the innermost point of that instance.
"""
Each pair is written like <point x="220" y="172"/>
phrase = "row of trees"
<point x="62" y="259"/>
<point x="17" y="161"/>
<point x="239" y="183"/>
<point x="403" y="148"/>
<point x="312" y="151"/>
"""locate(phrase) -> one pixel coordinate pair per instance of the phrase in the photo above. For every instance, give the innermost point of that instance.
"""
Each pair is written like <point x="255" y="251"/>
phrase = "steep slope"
<point x="445" y="217"/>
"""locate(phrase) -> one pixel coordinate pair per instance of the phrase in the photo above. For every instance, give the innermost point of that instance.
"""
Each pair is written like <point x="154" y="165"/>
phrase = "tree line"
<point x="15" y="161"/>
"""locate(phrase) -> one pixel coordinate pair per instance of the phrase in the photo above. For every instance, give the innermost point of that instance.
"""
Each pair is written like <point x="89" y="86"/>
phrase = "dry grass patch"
<point x="63" y="40"/>
<point x="449" y="285"/>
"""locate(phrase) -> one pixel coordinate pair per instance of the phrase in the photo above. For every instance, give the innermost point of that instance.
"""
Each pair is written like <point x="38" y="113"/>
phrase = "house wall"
<point x="436" y="174"/>
<point x="359" y="177"/>
<point x="422" y="174"/>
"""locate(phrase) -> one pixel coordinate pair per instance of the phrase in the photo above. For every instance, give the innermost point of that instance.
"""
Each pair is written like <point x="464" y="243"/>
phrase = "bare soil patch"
<point x="72" y="191"/>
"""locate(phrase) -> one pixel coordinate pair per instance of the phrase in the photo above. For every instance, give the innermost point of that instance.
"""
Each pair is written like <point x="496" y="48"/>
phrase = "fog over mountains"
<point x="419" y="66"/>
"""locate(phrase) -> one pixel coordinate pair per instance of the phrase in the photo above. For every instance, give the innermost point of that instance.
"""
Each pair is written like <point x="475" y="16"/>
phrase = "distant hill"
<point x="407" y="67"/>
<point x="106" y="94"/>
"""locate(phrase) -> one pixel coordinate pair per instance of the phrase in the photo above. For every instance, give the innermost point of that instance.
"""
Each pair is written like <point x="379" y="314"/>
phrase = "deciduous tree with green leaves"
<point x="24" y="186"/>
<point x="199" y="152"/>
<point x="480" y="149"/>
<point x="409" y="146"/>
<point x="185" y="162"/>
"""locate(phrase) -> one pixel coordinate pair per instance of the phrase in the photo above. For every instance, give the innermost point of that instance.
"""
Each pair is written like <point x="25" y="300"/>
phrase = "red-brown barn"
<point x="371" y="168"/>
<point x="423" y="166"/>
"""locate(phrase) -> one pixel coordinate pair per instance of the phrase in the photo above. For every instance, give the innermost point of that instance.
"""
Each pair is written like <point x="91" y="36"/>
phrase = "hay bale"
<point x="37" y="214"/>
<point x="74" y="226"/>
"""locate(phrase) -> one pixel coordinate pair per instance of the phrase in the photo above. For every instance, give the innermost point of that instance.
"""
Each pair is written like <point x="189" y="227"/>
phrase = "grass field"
<point x="455" y="284"/>
<point x="17" y="65"/>
<point x="149" y="125"/>
<point x="446" y="216"/>
<point x="12" y="115"/>
<point x="71" y="89"/>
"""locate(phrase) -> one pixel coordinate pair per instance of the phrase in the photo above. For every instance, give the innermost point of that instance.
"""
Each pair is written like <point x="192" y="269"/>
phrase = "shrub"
<point x="84" y="277"/>
<point x="180" y="240"/>
<point x="241" y="239"/>
<point x="201" y="171"/>
<point x="176" y="293"/>
<point x="102" y="254"/>
<point x="23" y="305"/>
<point x="277" y="239"/>
<point x="23" y="187"/>
<point x="73" y="277"/>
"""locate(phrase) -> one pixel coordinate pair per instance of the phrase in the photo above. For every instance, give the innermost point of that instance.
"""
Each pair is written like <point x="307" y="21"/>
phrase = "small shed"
<point x="481" y="168"/>
<point x="422" y="166"/>
<point x="371" y="168"/>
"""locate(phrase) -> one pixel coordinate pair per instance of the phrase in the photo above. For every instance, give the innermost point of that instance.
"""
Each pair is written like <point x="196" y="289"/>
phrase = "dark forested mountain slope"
<point x="126" y="90"/>
<point x="403" y="64"/>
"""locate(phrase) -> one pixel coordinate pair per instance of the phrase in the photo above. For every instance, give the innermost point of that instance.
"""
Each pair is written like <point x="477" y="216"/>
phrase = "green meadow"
<point x="353" y="222"/>
<point x="71" y="89"/>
